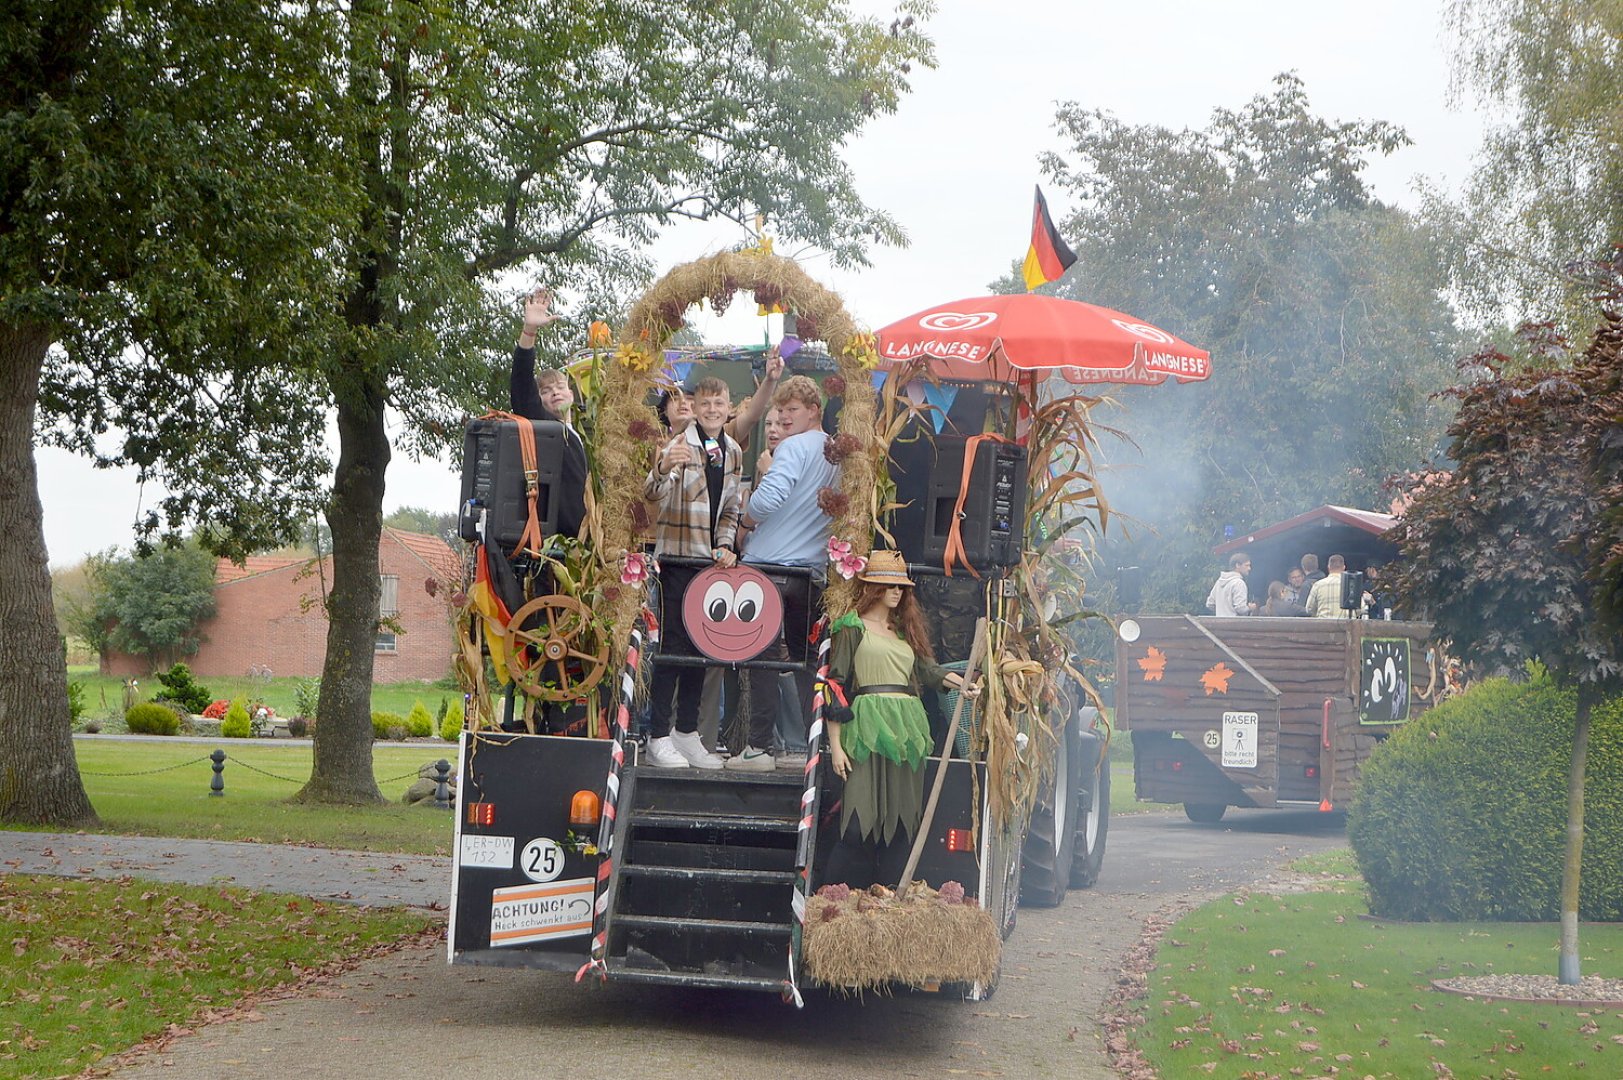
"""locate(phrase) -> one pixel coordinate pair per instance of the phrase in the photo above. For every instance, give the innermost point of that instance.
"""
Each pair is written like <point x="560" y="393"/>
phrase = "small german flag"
<point x="1049" y="256"/>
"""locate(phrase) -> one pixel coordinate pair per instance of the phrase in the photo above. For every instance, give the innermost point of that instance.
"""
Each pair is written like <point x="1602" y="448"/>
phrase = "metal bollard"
<point x="442" y="784"/>
<point x="217" y="784"/>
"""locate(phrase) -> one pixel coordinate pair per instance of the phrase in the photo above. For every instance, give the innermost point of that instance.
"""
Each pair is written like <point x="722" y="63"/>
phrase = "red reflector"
<point x="1310" y="771"/>
<point x="481" y="813"/>
<point x="960" y="840"/>
<point x="1177" y="766"/>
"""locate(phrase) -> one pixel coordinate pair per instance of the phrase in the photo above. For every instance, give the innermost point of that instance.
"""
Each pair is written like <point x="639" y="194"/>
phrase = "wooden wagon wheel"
<point x="562" y="637"/>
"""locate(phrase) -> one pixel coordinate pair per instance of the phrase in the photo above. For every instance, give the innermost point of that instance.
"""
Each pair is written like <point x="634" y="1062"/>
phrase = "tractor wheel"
<point x="1204" y="813"/>
<point x="1050" y="846"/>
<point x="1091" y="829"/>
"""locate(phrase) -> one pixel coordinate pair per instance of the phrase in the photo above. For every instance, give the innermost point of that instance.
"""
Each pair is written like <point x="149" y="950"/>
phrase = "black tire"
<point x="1204" y="813"/>
<point x="1050" y="847"/>
<point x="1092" y="827"/>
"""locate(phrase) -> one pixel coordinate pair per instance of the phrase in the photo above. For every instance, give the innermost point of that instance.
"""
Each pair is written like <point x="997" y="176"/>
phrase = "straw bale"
<point x="870" y="940"/>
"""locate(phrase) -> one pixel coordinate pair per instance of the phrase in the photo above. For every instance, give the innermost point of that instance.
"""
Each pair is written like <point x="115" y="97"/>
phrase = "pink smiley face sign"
<point x="732" y="614"/>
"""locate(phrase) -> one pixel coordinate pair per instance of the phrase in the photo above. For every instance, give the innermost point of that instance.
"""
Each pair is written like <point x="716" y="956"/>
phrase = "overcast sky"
<point x="956" y="164"/>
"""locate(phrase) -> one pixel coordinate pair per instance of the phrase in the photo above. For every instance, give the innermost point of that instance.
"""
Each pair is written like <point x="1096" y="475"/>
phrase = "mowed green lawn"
<point x="104" y="694"/>
<point x="1263" y="986"/>
<point x="160" y="787"/>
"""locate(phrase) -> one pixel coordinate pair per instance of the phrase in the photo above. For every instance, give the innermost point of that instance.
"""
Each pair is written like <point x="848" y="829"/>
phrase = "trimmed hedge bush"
<point x="382" y="722"/>
<point x="420" y="722"/>
<point x="236" y="724"/>
<point x="451" y="726"/>
<point x="150" y="718"/>
<point x="1462" y="814"/>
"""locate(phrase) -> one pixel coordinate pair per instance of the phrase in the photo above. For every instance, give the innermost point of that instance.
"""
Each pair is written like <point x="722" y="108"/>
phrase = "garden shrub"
<point x="76" y="701"/>
<point x="183" y="690"/>
<point x="1462" y="814"/>
<point x="383" y="721"/>
<point x="451" y="725"/>
<point x="151" y="718"/>
<point x="306" y="697"/>
<point x="236" y="724"/>
<point x="298" y="727"/>
<point x="420" y="722"/>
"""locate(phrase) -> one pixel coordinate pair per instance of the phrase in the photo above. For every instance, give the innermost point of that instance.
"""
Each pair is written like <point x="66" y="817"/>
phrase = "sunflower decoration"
<point x="635" y="357"/>
<point x="864" y="350"/>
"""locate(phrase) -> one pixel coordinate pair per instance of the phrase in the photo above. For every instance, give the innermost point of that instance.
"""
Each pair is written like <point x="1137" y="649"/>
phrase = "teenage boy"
<point x="695" y="482"/>
<point x="790" y="529"/>
<point x="556" y="394"/>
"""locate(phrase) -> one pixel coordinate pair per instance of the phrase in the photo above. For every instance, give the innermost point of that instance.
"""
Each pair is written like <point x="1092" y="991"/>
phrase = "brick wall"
<point x="271" y="617"/>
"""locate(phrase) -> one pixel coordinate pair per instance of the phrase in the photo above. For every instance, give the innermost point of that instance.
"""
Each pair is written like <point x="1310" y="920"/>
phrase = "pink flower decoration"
<point x="635" y="571"/>
<point x="838" y="549"/>
<point x="849" y="566"/>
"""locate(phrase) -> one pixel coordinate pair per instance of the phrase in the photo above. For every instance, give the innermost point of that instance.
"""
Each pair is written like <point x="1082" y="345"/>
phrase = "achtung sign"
<point x="526" y="913"/>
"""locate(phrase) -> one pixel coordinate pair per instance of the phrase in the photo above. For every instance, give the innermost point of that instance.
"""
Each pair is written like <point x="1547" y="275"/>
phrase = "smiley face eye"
<point x="750" y="600"/>
<point x="718" y="601"/>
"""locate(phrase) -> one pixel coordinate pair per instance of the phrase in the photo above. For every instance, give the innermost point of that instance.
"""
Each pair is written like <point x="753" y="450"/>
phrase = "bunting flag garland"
<point x="1049" y="256"/>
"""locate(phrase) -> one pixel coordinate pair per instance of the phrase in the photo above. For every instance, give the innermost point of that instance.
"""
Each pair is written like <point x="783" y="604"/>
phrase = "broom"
<point x="918" y="937"/>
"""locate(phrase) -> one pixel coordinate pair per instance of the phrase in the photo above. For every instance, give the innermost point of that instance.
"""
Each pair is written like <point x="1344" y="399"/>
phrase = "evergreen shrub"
<point x="383" y="721"/>
<point x="451" y="725"/>
<point x="150" y="718"/>
<point x="183" y="690"/>
<point x="1461" y="815"/>
<point x="236" y="724"/>
<point x="420" y="722"/>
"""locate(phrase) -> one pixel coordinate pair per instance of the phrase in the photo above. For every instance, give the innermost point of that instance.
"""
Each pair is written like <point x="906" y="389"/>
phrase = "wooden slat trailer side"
<point x="1264" y="712"/>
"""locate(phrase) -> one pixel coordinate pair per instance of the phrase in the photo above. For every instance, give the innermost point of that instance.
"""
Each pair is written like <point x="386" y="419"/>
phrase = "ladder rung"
<point x="698" y="873"/>
<point x="661" y="819"/>
<point x="702" y="926"/>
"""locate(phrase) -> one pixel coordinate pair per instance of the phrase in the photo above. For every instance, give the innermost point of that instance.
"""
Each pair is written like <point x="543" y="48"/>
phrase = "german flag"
<point x="1049" y="256"/>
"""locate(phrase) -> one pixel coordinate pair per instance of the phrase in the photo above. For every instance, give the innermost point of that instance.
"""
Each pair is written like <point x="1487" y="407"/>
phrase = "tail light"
<point x="1310" y="771"/>
<point x="482" y="813"/>
<point x="960" y="840"/>
<point x="1177" y="766"/>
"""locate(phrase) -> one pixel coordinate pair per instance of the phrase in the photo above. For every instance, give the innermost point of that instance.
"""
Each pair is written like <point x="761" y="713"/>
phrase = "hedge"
<point x="150" y="718"/>
<point x="1462" y="814"/>
<point x="388" y="725"/>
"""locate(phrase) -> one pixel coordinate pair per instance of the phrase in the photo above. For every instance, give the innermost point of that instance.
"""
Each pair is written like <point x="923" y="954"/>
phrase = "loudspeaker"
<point x="493" y="481"/>
<point x="993" y="524"/>
<point x="1352" y="590"/>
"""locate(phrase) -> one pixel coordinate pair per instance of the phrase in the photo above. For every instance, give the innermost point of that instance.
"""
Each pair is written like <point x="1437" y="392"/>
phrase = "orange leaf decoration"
<point x="1216" y="679"/>
<point x="1154" y="664"/>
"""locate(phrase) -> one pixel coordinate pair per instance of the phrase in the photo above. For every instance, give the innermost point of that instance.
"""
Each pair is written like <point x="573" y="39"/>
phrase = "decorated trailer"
<point x="573" y="854"/>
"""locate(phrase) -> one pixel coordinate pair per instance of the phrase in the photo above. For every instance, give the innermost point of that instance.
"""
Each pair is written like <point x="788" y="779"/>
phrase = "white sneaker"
<point x="662" y="755"/>
<point x="691" y="747"/>
<point x="753" y="760"/>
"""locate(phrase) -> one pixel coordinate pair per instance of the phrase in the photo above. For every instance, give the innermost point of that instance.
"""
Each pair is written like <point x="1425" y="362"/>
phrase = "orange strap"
<point x="955" y="534"/>
<point x="530" y="539"/>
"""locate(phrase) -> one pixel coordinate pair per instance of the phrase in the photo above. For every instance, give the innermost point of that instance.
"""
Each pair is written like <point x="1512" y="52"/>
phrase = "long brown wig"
<point x="907" y="620"/>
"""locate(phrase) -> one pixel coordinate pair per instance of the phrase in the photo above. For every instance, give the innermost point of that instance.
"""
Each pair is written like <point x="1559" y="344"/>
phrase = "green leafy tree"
<point x="489" y="136"/>
<point x="1502" y="553"/>
<point x="151" y="246"/>
<point x="150" y="605"/>
<point x="1257" y="238"/>
<point x="1549" y="189"/>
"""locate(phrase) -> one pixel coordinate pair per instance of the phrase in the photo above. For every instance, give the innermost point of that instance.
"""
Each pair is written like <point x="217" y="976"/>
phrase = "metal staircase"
<point x="702" y="889"/>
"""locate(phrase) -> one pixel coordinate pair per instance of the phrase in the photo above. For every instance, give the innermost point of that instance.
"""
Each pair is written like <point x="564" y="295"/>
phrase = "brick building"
<point x="268" y="615"/>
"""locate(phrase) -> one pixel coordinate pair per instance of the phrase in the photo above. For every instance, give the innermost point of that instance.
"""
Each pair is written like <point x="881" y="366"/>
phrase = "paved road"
<point x="410" y="1012"/>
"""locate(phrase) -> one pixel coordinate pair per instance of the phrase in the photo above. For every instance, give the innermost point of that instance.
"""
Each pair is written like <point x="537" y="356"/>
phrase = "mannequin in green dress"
<point x="878" y="733"/>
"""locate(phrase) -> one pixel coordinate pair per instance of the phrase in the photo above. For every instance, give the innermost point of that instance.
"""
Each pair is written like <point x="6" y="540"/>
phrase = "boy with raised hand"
<point x="695" y="482"/>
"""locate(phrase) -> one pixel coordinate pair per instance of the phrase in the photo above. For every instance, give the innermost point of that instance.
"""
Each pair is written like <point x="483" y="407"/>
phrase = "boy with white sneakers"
<point x="695" y="483"/>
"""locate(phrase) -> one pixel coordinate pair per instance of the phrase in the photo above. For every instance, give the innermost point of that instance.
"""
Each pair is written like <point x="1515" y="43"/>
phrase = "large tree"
<point x="497" y="135"/>
<point x="1257" y="238"/>
<point x="1502" y="554"/>
<point x="150" y="604"/>
<point x="149" y="263"/>
<point x="1549" y="188"/>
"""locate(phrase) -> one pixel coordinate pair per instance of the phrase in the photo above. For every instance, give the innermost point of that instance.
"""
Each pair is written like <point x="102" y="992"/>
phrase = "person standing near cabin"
<point x="525" y="399"/>
<point x="878" y="734"/>
<point x="1311" y="574"/>
<point x="790" y="529"/>
<point x="695" y="484"/>
<point x="1324" y="602"/>
<point x="1296" y="585"/>
<point x="1228" y="598"/>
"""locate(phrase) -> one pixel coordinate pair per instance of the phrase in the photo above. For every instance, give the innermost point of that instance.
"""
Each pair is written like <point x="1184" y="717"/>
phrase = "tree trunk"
<point x="1569" y="965"/>
<point x="343" y="733"/>
<point x="39" y="776"/>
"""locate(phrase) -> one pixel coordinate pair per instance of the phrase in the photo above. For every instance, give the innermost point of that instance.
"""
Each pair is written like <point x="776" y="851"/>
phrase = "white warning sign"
<point x="1239" y="740"/>
<point x="557" y="909"/>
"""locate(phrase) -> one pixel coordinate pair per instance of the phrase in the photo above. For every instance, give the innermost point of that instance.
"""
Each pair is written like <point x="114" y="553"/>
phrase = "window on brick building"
<point x="388" y="607"/>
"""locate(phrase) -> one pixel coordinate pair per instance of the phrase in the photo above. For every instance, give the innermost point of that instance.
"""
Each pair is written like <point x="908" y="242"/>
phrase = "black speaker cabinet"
<point x="993" y="526"/>
<point x="493" y="480"/>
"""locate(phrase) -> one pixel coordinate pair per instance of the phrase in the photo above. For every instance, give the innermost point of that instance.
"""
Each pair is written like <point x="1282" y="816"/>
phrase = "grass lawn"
<point x="104" y="694"/>
<point x="169" y="795"/>
<point x="96" y="967"/>
<point x="1260" y="986"/>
